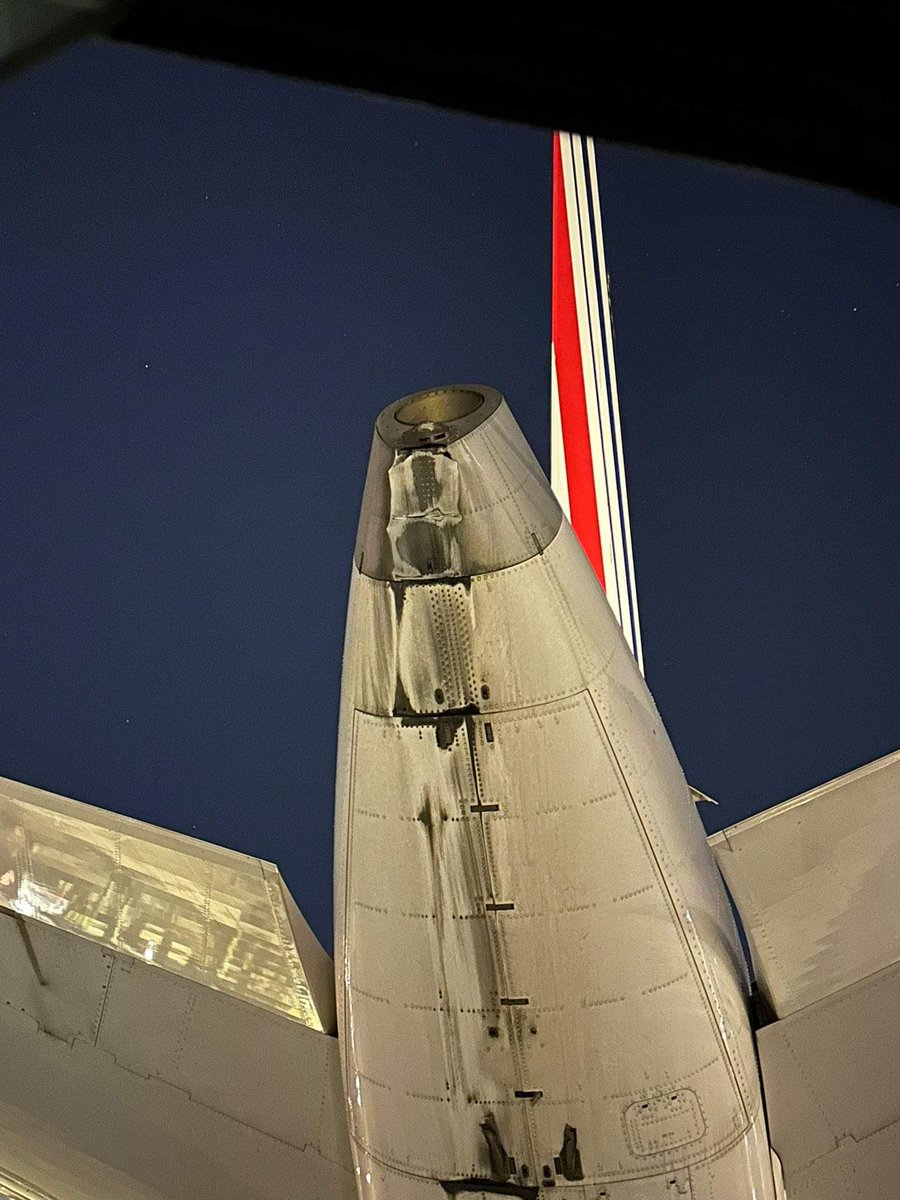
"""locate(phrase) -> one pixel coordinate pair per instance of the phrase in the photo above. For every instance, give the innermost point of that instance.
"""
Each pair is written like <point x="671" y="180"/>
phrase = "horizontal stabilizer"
<point x="122" y="1081"/>
<point x="162" y="1004"/>
<point x="209" y="914"/>
<point x="817" y="884"/>
<point x="832" y="1082"/>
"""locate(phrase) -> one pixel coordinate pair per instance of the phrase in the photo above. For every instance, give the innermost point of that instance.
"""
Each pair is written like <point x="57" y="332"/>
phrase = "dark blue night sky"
<point x="212" y="280"/>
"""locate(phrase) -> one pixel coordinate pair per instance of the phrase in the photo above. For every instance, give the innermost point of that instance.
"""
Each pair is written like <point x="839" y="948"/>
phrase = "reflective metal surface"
<point x="208" y="914"/>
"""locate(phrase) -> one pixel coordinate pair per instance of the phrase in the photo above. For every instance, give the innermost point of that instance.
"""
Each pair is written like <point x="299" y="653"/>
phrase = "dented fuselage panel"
<point x="539" y="981"/>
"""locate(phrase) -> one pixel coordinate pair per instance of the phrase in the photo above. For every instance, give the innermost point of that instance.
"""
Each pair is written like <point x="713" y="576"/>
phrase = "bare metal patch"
<point x="424" y="515"/>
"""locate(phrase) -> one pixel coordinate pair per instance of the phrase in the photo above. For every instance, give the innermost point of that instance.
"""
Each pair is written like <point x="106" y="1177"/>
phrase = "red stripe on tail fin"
<point x="570" y="380"/>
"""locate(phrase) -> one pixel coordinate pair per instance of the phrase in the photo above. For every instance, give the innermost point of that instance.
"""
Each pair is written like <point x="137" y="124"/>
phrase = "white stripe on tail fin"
<point x="587" y="469"/>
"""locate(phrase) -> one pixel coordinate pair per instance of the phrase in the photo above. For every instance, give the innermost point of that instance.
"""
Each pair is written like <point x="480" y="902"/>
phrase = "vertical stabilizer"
<point x="587" y="468"/>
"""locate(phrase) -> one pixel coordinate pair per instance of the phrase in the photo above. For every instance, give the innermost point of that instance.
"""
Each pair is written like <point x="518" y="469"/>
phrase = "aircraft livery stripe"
<point x="596" y="389"/>
<point x="558" y="480"/>
<point x="630" y="622"/>
<point x="570" y="380"/>
<point x="585" y="427"/>
<point x="583" y="274"/>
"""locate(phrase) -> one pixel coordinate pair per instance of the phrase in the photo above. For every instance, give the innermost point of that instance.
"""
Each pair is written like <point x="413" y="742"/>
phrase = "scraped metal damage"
<point x="500" y="1160"/>
<point x="424" y="487"/>
<point x="570" y="1155"/>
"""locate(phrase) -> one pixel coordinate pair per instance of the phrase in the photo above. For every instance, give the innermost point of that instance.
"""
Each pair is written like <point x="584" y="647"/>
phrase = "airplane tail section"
<point x="587" y="469"/>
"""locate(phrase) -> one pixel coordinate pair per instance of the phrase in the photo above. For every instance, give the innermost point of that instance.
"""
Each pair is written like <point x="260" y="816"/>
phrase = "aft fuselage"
<point x="539" y="981"/>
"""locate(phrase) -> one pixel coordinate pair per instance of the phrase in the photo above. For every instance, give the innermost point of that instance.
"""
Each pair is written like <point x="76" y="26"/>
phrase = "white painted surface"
<point x="832" y="1079"/>
<point x="817" y="883"/>
<point x="124" y="1082"/>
